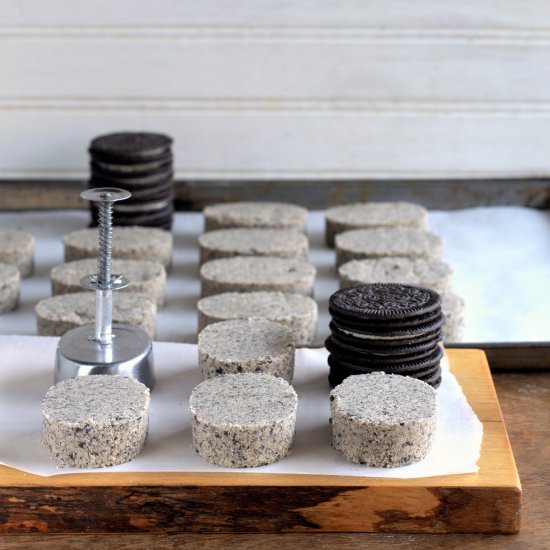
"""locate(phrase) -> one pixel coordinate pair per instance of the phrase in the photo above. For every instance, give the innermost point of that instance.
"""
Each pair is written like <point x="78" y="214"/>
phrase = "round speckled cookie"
<point x="251" y="273"/>
<point x="296" y="312"/>
<point x="366" y="215"/>
<point x="132" y="243"/>
<point x="383" y="420"/>
<point x="226" y="243"/>
<point x="10" y="283"/>
<point x="17" y="248"/>
<point x="144" y="276"/>
<point x="453" y="309"/>
<point x="276" y="215"/>
<point x="383" y="242"/>
<point x="58" y="314"/>
<point x="243" y="420"/>
<point x="245" y="345"/>
<point x="429" y="376"/>
<point x="433" y="274"/>
<point x="95" y="421"/>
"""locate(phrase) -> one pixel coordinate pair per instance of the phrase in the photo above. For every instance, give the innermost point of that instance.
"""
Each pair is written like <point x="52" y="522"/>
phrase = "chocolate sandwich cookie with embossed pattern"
<point x="424" y="369"/>
<point x="120" y="167"/>
<point x="382" y="302"/>
<point x="142" y="164"/>
<point x="131" y="145"/>
<point x="385" y="326"/>
<point x="370" y="342"/>
<point x="384" y="355"/>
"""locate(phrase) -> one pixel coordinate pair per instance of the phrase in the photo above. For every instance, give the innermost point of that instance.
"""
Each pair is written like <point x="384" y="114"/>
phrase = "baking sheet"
<point x="500" y="256"/>
<point x="26" y="372"/>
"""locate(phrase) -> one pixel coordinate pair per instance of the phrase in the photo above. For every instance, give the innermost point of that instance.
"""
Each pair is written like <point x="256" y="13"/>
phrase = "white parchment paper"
<point x="500" y="257"/>
<point x="26" y="373"/>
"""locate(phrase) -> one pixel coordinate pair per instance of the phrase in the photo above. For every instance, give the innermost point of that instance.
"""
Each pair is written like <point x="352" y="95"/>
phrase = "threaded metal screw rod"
<point x="104" y="282"/>
<point x="104" y="260"/>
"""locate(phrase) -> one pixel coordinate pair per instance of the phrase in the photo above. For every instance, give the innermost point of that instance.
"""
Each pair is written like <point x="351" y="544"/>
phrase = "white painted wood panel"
<point x="280" y="88"/>
<point x="390" y="14"/>
<point x="326" y="145"/>
<point x="415" y="69"/>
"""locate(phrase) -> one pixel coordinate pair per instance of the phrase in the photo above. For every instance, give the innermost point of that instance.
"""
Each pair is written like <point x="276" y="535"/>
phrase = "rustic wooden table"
<point x="525" y="402"/>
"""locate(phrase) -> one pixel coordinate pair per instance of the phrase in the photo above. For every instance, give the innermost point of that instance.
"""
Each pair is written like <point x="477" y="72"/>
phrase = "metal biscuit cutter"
<point x="105" y="348"/>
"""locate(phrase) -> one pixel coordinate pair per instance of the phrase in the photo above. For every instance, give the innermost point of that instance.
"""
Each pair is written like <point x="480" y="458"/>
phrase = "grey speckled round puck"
<point x="95" y="421"/>
<point x="383" y="242"/>
<point x="226" y="243"/>
<point x="433" y="274"/>
<point x="383" y="420"/>
<point x="365" y="215"/>
<point x="147" y="277"/>
<point x="10" y="282"/>
<point x="58" y="314"/>
<point x="245" y="345"/>
<point x="243" y="420"/>
<point x="296" y="312"/>
<point x="251" y="273"/>
<point x="453" y="309"/>
<point x="277" y="215"/>
<point x="17" y="248"/>
<point x="132" y="243"/>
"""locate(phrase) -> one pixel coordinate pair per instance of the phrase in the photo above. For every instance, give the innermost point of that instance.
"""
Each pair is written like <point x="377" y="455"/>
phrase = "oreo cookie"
<point x="387" y="327"/>
<point x="141" y="163"/>
<point x="123" y="166"/>
<point x="384" y="302"/>
<point x="418" y="368"/>
<point x="131" y="145"/>
<point x="373" y="343"/>
<point x="383" y="356"/>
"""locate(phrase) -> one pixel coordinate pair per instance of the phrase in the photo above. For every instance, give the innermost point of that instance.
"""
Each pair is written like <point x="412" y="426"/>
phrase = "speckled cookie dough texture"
<point x="244" y="345"/>
<point x="434" y="274"/>
<point x="95" y="421"/>
<point x="367" y="215"/>
<point x="276" y="215"/>
<point x="252" y="273"/>
<point x="383" y="420"/>
<point x="226" y="243"/>
<point x="296" y="312"/>
<point x="58" y="314"/>
<point x="17" y="248"/>
<point x="10" y="282"/>
<point x="130" y="243"/>
<point x="383" y="242"/>
<point x="243" y="420"/>
<point x="145" y="276"/>
<point x="452" y="306"/>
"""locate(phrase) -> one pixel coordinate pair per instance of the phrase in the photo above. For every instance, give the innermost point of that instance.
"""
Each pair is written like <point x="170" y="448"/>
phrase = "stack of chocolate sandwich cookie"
<point x="394" y="328"/>
<point x="142" y="164"/>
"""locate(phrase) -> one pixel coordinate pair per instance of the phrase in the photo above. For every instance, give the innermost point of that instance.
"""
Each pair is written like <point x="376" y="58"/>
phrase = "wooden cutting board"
<point x="485" y="502"/>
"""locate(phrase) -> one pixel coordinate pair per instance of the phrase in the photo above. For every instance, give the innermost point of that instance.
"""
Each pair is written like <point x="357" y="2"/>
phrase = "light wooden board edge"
<point x="470" y="368"/>
<point x="485" y="502"/>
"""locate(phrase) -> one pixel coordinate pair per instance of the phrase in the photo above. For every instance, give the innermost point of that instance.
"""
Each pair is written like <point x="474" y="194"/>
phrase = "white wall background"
<point x="280" y="89"/>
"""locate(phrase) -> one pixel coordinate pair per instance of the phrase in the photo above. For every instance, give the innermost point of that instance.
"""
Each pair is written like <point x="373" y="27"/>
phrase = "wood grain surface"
<point x="487" y="501"/>
<point x="524" y="400"/>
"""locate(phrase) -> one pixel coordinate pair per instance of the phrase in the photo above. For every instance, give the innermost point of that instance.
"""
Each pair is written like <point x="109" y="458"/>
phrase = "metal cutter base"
<point x="129" y="354"/>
